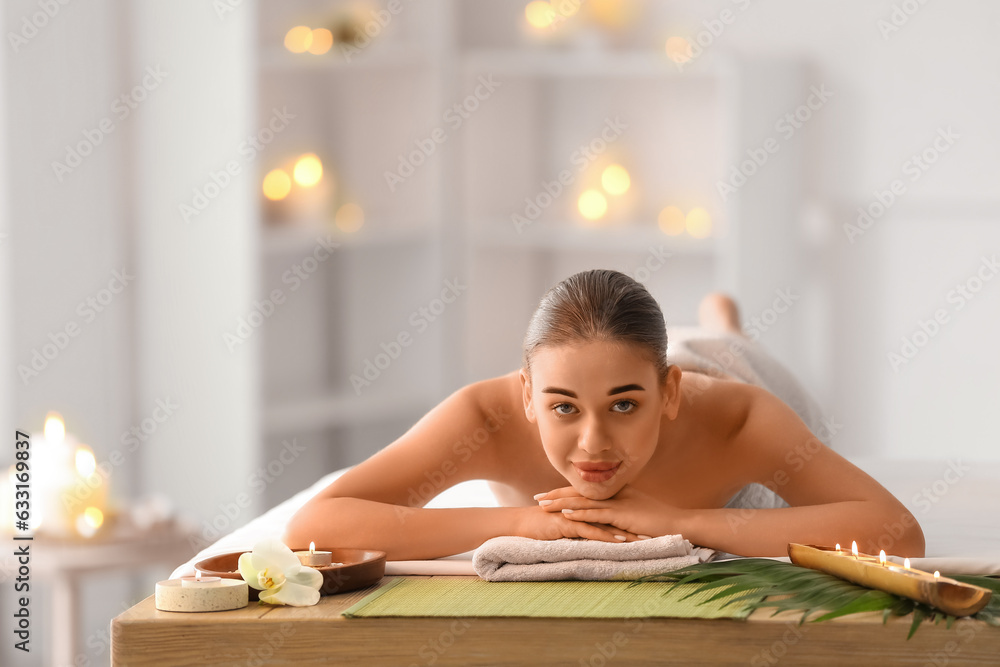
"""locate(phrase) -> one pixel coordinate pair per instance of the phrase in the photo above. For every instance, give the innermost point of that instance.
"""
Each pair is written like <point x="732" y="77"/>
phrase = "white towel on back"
<point x="513" y="558"/>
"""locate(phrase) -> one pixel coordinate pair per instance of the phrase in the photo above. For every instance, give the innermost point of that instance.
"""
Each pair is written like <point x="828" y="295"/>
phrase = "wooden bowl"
<point x="361" y="567"/>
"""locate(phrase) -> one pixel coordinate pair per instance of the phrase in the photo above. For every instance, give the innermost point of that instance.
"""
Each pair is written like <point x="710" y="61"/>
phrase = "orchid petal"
<point x="305" y="576"/>
<point x="272" y="553"/>
<point x="292" y="594"/>
<point x="249" y="573"/>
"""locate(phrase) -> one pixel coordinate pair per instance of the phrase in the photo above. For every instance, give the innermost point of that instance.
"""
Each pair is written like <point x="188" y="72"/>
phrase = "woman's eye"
<point x="629" y="405"/>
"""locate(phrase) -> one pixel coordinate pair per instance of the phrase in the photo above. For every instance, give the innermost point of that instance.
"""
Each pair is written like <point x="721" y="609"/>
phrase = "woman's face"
<point x="598" y="406"/>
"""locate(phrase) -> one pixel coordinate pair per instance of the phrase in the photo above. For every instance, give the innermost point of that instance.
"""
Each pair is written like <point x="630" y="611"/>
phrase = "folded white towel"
<point x="513" y="558"/>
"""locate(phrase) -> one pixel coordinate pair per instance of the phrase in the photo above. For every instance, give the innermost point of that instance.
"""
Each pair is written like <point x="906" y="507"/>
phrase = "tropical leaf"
<point x="752" y="581"/>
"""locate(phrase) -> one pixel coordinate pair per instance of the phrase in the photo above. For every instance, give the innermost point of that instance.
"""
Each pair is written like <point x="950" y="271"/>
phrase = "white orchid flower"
<point x="276" y="572"/>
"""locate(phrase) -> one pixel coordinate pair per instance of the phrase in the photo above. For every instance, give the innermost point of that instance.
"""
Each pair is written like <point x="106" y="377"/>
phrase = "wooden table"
<point x="263" y="635"/>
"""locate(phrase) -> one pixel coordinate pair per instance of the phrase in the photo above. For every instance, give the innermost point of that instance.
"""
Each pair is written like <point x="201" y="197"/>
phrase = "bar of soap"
<point x="221" y="596"/>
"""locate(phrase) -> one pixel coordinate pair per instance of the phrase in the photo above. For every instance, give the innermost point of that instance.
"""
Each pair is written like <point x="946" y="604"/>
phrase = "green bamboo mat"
<point x="439" y="596"/>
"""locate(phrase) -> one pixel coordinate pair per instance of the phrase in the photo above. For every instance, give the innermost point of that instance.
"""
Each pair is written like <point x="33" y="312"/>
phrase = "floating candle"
<point x="948" y="595"/>
<point x="314" y="558"/>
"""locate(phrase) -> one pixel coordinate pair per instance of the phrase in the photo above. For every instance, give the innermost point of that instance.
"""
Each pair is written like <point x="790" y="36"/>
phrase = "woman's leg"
<point x="718" y="312"/>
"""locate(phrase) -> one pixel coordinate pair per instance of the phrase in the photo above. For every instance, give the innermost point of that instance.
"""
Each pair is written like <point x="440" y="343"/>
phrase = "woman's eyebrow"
<point x="616" y="390"/>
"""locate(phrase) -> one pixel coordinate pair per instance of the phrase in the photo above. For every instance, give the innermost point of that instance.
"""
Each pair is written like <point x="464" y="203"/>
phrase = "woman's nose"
<point x="593" y="438"/>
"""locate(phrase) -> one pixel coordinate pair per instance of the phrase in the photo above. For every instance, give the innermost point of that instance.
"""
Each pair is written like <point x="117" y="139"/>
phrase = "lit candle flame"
<point x="55" y="428"/>
<point x="854" y="548"/>
<point x="838" y="547"/>
<point x="906" y="563"/>
<point x="881" y="557"/>
<point x="312" y="547"/>
<point x="937" y="575"/>
<point x="86" y="464"/>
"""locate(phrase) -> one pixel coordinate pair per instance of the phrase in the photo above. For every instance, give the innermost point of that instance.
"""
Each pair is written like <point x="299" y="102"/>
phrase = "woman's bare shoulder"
<point x="499" y="397"/>
<point x="720" y="404"/>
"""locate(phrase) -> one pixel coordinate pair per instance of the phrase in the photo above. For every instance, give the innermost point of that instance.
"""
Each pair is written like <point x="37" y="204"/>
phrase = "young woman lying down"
<point x="601" y="436"/>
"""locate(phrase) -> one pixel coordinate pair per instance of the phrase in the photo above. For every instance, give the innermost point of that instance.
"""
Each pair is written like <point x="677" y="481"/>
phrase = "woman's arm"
<point x="832" y="501"/>
<point x="403" y="533"/>
<point x="378" y="503"/>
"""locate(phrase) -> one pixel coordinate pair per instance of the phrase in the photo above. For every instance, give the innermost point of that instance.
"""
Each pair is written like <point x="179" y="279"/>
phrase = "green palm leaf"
<point x="754" y="580"/>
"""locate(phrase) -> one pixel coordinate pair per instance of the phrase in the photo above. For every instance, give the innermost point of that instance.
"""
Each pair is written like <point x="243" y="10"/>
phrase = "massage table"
<point x="955" y="502"/>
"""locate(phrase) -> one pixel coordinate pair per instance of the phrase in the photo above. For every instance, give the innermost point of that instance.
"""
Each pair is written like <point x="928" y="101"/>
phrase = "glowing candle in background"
<point x="298" y="192"/>
<point x="299" y="39"/>
<point x="592" y="205"/>
<point x="69" y="492"/>
<point x="881" y="557"/>
<point x="276" y="185"/>
<point x="616" y="180"/>
<point x="349" y="218"/>
<point x="678" y="49"/>
<point x="906" y="563"/>
<point x="698" y="223"/>
<point x="854" y="549"/>
<point x="671" y="221"/>
<point x="322" y="40"/>
<point x="539" y="14"/>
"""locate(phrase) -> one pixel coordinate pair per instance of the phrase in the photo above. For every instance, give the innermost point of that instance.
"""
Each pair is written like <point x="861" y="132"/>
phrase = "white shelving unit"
<point x="453" y="217"/>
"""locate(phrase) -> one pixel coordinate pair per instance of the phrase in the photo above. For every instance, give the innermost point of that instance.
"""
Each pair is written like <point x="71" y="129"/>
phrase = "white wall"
<point x="198" y="277"/>
<point x="891" y="96"/>
<point x="160" y="337"/>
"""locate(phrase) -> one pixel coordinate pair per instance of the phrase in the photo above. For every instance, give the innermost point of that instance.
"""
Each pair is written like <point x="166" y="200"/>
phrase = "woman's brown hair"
<point x="599" y="305"/>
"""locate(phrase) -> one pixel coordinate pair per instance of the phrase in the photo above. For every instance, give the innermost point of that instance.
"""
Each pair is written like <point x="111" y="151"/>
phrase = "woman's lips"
<point x="596" y="471"/>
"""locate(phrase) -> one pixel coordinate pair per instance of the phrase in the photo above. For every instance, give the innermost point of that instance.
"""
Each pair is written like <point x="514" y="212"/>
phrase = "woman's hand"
<point x="629" y="510"/>
<point x="536" y="523"/>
